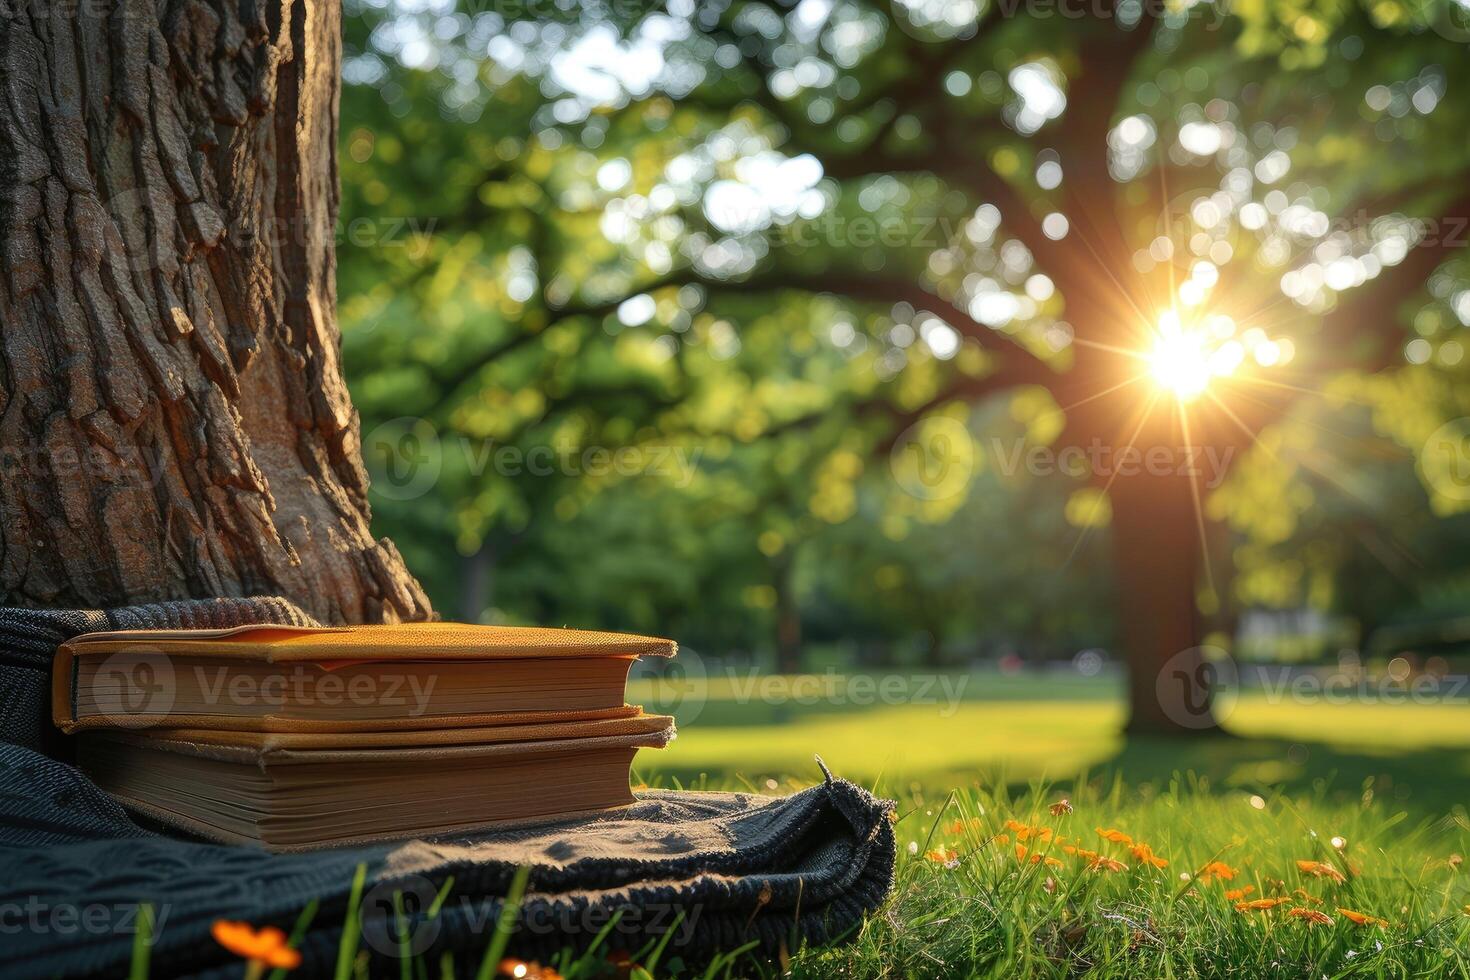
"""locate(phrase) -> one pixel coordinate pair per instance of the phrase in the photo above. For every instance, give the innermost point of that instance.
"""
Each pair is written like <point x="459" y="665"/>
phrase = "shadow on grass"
<point x="1429" y="780"/>
<point x="1426" y="782"/>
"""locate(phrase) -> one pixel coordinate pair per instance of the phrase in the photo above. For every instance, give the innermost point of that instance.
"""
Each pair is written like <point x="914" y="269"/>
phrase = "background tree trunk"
<point x="173" y="419"/>
<point x="1157" y="564"/>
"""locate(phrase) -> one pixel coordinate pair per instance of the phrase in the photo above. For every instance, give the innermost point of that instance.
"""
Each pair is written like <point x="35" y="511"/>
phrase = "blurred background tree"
<point x="769" y="326"/>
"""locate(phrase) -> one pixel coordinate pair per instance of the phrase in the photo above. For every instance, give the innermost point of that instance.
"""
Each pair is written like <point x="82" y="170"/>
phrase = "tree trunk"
<point x="1157" y="563"/>
<point x="788" y="620"/>
<point x="477" y="590"/>
<point x="172" y="412"/>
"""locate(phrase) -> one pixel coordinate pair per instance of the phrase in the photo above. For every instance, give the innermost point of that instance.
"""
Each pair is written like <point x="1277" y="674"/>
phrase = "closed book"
<point x="290" y="791"/>
<point x="411" y="676"/>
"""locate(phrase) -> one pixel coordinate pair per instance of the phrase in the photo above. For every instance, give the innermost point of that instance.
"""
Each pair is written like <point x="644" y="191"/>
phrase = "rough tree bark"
<point x="173" y="419"/>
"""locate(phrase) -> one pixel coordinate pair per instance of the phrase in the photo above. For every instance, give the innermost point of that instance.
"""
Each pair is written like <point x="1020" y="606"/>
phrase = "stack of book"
<point x="295" y="738"/>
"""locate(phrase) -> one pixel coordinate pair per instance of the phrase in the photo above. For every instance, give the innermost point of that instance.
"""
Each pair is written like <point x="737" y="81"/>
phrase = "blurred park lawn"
<point x="1022" y="729"/>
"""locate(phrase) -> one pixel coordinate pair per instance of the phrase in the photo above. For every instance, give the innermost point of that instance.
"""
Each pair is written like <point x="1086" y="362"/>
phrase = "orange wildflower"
<point x="1061" y="807"/>
<point x="960" y="826"/>
<point x="1101" y="863"/>
<point x="943" y="855"/>
<point x="1116" y="836"/>
<point x="1026" y="831"/>
<point x="1312" y="916"/>
<point x="1260" y="904"/>
<point x="1217" y="869"/>
<point x="1320" y="869"/>
<point x="1081" y="852"/>
<point x="1145" y="855"/>
<point x="1362" y="918"/>
<point x="266" y="947"/>
<point x="1002" y="839"/>
<point x="1236" y="894"/>
<point x="623" y="964"/>
<point x="1023" y="855"/>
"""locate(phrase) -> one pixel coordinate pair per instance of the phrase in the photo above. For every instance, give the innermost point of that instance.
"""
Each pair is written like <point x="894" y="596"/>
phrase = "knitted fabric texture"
<point x="713" y="871"/>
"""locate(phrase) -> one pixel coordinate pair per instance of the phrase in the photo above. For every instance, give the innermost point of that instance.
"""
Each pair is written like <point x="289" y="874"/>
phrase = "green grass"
<point x="1389" y="780"/>
<point x="978" y="909"/>
<point x="988" y="914"/>
<point x="1017" y="730"/>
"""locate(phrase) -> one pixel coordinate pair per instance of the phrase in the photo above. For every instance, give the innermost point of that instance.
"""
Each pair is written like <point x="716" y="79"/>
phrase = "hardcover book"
<point x="294" y="738"/>
<point x="363" y="678"/>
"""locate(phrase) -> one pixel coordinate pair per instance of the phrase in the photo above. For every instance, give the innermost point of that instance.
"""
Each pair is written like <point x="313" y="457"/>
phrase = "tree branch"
<point x="1370" y="311"/>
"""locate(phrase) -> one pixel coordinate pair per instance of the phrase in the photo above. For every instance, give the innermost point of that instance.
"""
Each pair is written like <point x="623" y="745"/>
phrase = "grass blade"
<point x="142" y="944"/>
<point x="351" y="926"/>
<point x="298" y="933"/>
<point x="510" y="911"/>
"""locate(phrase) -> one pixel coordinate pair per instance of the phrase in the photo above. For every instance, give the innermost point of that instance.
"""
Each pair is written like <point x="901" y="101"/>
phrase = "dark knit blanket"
<point x="711" y="871"/>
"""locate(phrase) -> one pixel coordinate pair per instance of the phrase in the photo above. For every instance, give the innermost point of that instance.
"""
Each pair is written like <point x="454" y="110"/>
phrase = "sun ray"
<point x="1199" y="512"/>
<point x="1252" y="437"/>
<point x="1134" y="353"/>
<point x="1143" y="417"/>
<point x="1106" y="391"/>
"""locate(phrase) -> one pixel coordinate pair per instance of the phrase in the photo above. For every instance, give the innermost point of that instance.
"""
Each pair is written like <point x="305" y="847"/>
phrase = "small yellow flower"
<point x="1311" y="916"/>
<point x="1362" y="918"/>
<point x="1320" y="869"/>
